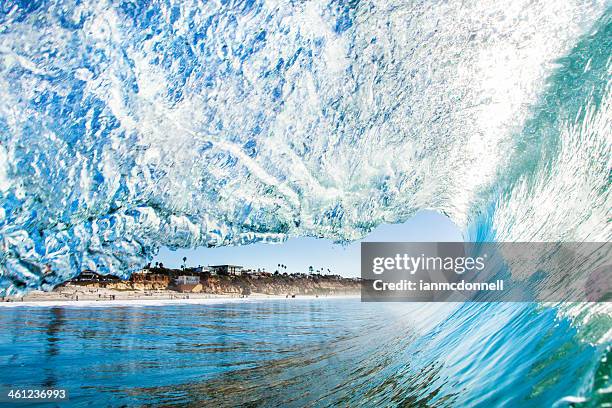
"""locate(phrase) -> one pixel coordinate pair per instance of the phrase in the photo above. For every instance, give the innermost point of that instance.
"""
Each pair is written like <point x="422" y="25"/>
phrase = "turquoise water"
<point x="320" y="352"/>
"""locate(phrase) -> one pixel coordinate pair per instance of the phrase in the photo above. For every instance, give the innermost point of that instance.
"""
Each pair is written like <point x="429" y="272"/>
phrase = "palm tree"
<point x="310" y="269"/>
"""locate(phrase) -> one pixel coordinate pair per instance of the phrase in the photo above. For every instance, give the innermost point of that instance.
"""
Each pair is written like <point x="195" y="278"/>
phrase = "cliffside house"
<point x="187" y="283"/>
<point x="89" y="276"/>
<point x="187" y="280"/>
<point x="198" y="269"/>
<point x="227" y="269"/>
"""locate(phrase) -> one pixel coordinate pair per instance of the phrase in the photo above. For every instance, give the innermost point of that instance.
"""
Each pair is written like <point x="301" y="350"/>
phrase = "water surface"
<point x="318" y="352"/>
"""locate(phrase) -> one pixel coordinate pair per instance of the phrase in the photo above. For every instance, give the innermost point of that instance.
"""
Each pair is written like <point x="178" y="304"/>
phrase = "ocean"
<point x="302" y="352"/>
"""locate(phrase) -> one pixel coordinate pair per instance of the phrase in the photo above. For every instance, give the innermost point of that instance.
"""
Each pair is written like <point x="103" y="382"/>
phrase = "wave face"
<point x="128" y="126"/>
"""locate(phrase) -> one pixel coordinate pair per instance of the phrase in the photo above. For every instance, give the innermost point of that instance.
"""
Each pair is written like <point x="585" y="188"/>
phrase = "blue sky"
<point x="300" y="253"/>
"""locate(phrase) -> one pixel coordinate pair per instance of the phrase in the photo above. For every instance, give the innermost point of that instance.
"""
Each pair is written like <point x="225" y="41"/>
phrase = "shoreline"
<point x="84" y="297"/>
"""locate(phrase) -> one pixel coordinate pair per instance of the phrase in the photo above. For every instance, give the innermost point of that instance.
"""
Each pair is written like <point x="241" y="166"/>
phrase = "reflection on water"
<point x="52" y="350"/>
<point x="294" y="353"/>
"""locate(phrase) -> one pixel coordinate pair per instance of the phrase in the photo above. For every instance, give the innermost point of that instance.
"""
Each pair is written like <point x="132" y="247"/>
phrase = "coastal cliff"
<point x="244" y="285"/>
<point x="279" y="285"/>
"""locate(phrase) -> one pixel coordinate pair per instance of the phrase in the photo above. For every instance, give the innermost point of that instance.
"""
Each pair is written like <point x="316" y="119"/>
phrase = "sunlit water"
<point x="321" y="352"/>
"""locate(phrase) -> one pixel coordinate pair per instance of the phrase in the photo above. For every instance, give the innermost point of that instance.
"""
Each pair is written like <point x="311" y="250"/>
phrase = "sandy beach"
<point x="84" y="296"/>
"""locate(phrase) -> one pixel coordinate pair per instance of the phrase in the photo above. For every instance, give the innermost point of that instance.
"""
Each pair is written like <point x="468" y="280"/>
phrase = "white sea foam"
<point x="163" y="302"/>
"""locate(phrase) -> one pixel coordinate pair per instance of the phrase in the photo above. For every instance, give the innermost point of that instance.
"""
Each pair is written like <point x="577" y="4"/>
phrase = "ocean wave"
<point x="127" y="126"/>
